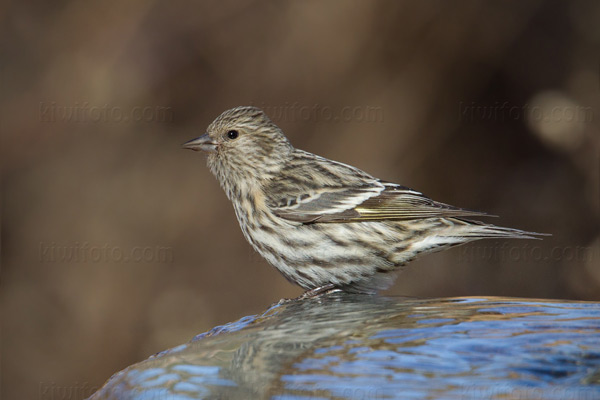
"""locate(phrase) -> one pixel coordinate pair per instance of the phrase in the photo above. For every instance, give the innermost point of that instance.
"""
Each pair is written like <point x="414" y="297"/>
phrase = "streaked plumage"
<point x="322" y="222"/>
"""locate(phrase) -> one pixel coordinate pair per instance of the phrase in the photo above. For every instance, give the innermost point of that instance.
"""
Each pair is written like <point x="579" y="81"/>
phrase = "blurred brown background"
<point x="117" y="244"/>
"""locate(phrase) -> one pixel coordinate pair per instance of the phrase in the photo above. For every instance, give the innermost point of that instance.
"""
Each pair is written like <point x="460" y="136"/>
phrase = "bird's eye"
<point x="233" y="134"/>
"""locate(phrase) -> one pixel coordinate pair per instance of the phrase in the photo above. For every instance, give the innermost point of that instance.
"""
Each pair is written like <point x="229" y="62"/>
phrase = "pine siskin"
<point x="322" y="223"/>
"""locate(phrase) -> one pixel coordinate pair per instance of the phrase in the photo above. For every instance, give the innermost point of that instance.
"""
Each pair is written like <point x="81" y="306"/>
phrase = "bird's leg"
<point x="311" y="294"/>
<point x="318" y="291"/>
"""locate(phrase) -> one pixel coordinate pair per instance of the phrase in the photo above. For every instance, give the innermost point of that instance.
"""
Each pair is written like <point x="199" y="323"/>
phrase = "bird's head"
<point x="244" y="147"/>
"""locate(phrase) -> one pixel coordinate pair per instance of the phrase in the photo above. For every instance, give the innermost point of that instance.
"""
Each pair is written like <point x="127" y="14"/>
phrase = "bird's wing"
<point x="299" y="196"/>
<point x="377" y="202"/>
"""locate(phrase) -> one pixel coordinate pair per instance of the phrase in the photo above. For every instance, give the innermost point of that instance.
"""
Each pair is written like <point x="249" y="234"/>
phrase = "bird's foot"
<point x="318" y="291"/>
<point x="311" y="294"/>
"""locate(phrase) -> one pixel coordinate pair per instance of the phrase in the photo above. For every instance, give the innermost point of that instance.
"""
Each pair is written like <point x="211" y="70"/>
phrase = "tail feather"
<point x="479" y="230"/>
<point x="447" y="232"/>
<point x="459" y="231"/>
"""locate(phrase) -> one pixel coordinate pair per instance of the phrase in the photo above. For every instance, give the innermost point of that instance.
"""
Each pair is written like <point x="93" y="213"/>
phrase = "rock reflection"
<point x="359" y="346"/>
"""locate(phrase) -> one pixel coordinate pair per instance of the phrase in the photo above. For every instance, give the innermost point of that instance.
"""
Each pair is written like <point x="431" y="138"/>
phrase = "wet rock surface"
<point x="361" y="347"/>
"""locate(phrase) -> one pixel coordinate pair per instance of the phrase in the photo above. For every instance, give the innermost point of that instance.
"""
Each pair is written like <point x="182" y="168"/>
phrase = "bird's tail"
<point x="473" y="230"/>
<point x="449" y="232"/>
<point x="438" y="234"/>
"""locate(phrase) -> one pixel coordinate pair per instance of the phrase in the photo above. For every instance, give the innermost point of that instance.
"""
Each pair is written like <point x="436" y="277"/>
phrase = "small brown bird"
<point x="321" y="223"/>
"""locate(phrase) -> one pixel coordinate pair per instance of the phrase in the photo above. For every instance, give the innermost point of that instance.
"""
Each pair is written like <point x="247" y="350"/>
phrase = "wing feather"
<point x="312" y="189"/>
<point x="375" y="202"/>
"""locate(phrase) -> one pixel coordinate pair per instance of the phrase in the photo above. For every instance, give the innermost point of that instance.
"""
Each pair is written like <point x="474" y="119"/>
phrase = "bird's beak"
<point x="203" y="143"/>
